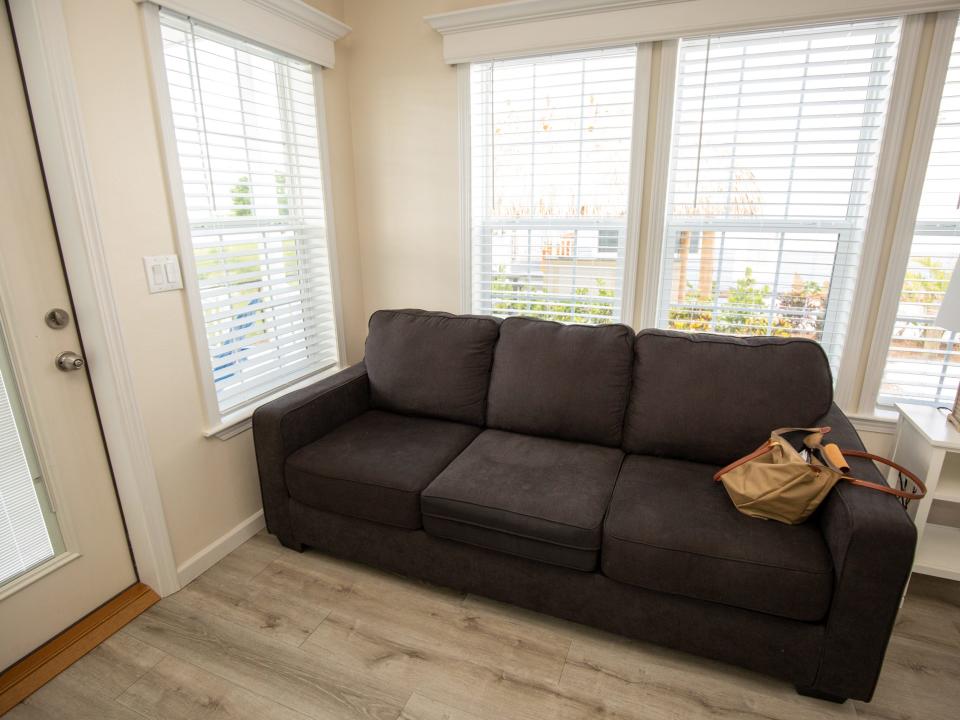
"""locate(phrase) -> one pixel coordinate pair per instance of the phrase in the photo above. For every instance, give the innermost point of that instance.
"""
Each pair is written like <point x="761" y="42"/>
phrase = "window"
<point x="551" y="141"/>
<point x="245" y="121"/>
<point x="29" y="533"/>
<point x="923" y="361"/>
<point x="774" y="146"/>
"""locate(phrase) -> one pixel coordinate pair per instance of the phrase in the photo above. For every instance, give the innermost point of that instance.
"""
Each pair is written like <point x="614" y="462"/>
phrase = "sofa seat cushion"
<point x="538" y="498"/>
<point x="374" y="466"/>
<point x="670" y="527"/>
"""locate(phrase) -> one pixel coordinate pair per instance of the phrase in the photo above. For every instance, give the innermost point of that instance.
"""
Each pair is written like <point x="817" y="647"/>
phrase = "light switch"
<point x="171" y="272"/>
<point x="163" y="273"/>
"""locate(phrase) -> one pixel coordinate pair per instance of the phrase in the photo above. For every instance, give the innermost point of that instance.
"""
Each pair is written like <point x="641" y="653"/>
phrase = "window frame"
<point x="217" y="424"/>
<point x="847" y="386"/>
<point x="906" y="205"/>
<point x="641" y="104"/>
<point x="887" y="235"/>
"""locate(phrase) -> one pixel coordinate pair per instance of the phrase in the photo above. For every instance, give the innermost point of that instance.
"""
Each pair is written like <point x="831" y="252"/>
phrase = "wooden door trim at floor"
<point x="56" y="655"/>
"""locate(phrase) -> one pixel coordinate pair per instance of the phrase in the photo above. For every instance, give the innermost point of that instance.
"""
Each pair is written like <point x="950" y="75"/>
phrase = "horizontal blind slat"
<point x="24" y="539"/>
<point x="223" y="334"/>
<point x="773" y="153"/>
<point x="246" y="131"/>
<point x="551" y="140"/>
<point x="276" y="348"/>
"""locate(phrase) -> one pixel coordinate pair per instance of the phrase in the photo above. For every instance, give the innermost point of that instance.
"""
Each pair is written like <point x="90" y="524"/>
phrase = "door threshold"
<point x="26" y="676"/>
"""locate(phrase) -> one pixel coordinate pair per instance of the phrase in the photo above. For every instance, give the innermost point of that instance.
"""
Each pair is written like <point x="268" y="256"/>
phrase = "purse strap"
<point x="922" y="489"/>
<point x="813" y="442"/>
<point x="780" y="432"/>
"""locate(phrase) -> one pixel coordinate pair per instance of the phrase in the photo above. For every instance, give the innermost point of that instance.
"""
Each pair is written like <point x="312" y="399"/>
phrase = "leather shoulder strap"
<point x="921" y="488"/>
<point x="784" y="430"/>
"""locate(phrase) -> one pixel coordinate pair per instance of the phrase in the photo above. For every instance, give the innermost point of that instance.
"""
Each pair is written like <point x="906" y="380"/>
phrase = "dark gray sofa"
<point x="568" y="469"/>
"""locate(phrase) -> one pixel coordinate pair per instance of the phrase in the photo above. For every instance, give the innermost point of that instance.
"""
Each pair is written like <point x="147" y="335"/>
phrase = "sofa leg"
<point x="814" y="693"/>
<point x="292" y="545"/>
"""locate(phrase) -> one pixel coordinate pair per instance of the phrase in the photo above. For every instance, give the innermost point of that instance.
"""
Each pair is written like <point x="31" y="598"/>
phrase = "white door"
<point x="63" y="548"/>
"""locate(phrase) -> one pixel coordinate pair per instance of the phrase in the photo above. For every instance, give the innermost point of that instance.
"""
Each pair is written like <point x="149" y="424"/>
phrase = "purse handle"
<point x="813" y="441"/>
<point x="922" y="489"/>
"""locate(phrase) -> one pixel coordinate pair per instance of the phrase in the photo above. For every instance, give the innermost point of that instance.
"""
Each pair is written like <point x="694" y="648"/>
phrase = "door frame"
<point x="43" y="45"/>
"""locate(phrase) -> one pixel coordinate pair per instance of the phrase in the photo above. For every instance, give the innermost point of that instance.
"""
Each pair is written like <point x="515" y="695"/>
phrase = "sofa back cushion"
<point x="714" y="398"/>
<point x="430" y="363"/>
<point x="564" y="381"/>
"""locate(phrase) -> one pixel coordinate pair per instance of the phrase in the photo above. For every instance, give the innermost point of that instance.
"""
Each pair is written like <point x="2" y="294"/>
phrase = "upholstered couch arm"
<point x="872" y="540"/>
<point x="294" y="420"/>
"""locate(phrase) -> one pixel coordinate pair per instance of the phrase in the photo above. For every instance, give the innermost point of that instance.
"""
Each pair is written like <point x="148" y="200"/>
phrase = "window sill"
<point x="241" y="420"/>
<point x="881" y="421"/>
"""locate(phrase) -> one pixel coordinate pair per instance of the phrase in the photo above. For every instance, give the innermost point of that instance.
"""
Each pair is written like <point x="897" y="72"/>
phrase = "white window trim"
<point x="654" y="214"/>
<point x="466" y="232"/>
<point x="908" y="205"/>
<point x="290" y="26"/>
<point x="891" y="148"/>
<point x="241" y="420"/>
<point x="638" y="159"/>
<point x="641" y="104"/>
<point x="532" y="27"/>
<point x="218" y="425"/>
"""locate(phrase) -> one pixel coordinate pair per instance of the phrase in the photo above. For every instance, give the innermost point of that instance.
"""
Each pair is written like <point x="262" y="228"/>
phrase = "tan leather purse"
<point x="777" y="482"/>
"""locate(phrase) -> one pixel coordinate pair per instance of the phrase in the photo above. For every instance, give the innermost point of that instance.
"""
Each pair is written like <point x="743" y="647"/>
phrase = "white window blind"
<point x="24" y="539"/>
<point x="775" y="142"/>
<point x="245" y="120"/>
<point x="550" y="164"/>
<point x="923" y="361"/>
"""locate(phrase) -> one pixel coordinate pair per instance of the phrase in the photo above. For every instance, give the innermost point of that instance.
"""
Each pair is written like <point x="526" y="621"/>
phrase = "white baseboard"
<point x="220" y="548"/>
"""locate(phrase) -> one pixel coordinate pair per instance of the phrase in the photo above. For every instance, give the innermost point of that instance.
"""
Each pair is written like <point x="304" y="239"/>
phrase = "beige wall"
<point x="342" y="187"/>
<point x="403" y="105"/>
<point x="208" y="486"/>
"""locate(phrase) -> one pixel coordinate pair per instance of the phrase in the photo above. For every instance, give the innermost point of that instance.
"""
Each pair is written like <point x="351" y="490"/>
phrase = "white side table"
<point x="927" y="444"/>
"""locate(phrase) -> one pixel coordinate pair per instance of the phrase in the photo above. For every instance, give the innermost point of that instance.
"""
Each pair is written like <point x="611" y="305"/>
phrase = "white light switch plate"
<point x="163" y="273"/>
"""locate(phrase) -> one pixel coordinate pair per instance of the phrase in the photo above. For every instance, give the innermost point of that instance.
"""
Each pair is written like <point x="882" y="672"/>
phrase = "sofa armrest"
<point x="871" y="539"/>
<point x="288" y="423"/>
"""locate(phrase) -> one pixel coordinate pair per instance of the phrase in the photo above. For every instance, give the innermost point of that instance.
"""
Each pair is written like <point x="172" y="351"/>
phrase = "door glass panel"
<point x="29" y="534"/>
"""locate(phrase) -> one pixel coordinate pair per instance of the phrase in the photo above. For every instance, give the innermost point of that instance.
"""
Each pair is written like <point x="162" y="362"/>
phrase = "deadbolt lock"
<point x="57" y="318"/>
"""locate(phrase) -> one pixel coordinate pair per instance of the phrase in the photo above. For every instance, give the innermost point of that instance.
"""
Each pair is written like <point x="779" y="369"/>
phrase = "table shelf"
<point x="929" y="445"/>
<point x="938" y="553"/>
<point x="948" y="488"/>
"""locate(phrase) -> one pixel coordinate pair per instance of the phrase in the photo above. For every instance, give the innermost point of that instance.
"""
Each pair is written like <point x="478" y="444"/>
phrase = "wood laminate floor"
<point x="270" y="634"/>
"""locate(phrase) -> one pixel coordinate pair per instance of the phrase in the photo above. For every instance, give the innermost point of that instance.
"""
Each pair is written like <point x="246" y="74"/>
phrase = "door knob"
<point x="68" y="361"/>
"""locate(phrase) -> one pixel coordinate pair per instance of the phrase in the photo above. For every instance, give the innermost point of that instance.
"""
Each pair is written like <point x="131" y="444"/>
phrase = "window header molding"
<point x="529" y="27"/>
<point x="290" y="26"/>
